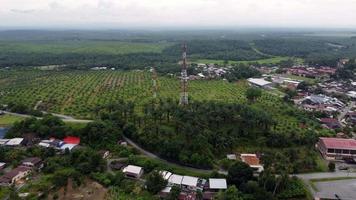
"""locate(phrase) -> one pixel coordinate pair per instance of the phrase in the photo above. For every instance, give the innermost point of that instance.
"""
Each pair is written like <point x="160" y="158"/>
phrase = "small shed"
<point x="133" y="171"/>
<point x="217" y="184"/>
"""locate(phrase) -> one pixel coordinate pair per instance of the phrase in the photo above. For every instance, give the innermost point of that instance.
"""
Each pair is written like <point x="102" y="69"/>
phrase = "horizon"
<point x="183" y="14"/>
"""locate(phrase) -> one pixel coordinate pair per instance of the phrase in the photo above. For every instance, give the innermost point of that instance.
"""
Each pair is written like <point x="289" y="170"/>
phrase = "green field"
<point x="6" y="120"/>
<point x="81" y="47"/>
<point x="274" y="60"/>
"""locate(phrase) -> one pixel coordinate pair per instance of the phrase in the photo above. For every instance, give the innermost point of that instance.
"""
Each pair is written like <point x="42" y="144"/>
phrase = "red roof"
<point x="339" y="143"/>
<point x="71" y="140"/>
<point x="329" y="120"/>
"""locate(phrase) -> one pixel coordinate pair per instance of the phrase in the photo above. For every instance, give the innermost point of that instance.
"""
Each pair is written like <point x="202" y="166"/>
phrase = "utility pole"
<point x="184" y="78"/>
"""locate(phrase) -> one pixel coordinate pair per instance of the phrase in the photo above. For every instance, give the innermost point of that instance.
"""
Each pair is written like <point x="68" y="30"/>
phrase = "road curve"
<point x="151" y="155"/>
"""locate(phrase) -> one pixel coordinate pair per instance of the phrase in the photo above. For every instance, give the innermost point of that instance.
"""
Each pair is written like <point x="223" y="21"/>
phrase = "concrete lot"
<point x="345" y="189"/>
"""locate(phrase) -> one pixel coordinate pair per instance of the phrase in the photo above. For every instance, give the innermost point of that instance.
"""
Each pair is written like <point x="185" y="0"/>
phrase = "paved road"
<point x="151" y="155"/>
<point x="345" y="189"/>
<point x="345" y="111"/>
<point x="324" y="188"/>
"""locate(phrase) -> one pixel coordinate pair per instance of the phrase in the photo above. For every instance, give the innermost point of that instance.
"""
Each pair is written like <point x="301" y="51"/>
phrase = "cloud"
<point x="119" y="13"/>
<point x="23" y="11"/>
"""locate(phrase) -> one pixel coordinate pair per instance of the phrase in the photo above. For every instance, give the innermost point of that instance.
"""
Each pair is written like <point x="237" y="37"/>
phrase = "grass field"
<point x="273" y="60"/>
<point x="81" y="47"/>
<point x="6" y="120"/>
<point x="308" y="80"/>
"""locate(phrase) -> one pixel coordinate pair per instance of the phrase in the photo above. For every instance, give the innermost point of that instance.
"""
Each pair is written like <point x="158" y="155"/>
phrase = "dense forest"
<point x="137" y="50"/>
<point x="197" y="134"/>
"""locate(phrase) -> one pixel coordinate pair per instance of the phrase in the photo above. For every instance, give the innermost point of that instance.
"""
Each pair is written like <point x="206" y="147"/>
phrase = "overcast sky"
<point x="178" y="13"/>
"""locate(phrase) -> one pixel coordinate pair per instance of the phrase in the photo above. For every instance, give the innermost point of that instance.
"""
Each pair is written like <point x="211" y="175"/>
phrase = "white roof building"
<point x="2" y="164"/>
<point x="44" y="144"/>
<point x="134" y="170"/>
<point x="14" y="142"/>
<point x="165" y="174"/>
<point x="258" y="82"/>
<point x="351" y="94"/>
<point x="190" y="181"/>
<point x="68" y="146"/>
<point x="231" y="156"/>
<point x="217" y="183"/>
<point x="3" y="141"/>
<point x="175" y="179"/>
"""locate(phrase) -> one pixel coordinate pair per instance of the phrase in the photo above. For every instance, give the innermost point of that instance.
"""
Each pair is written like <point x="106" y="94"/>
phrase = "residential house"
<point x="189" y="183"/>
<point x="253" y="161"/>
<point x="2" y="165"/>
<point x="33" y="162"/>
<point x="14" y="175"/>
<point x="330" y="123"/>
<point x="260" y="82"/>
<point x="337" y="148"/>
<point x="14" y="142"/>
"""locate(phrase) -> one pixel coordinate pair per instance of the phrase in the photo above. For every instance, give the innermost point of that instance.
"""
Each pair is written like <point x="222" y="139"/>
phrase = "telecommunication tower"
<point x="184" y="78"/>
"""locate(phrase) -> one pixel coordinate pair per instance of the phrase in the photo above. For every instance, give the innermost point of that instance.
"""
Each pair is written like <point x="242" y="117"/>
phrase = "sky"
<point x="178" y="13"/>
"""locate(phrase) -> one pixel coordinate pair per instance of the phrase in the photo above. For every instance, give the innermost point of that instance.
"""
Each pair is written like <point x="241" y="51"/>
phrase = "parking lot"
<point x="345" y="189"/>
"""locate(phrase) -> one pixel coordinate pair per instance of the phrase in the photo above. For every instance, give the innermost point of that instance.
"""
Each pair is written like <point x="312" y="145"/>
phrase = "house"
<point x="175" y="179"/>
<point x="231" y="156"/>
<point x="165" y="192"/>
<point x="259" y="82"/>
<point x="14" y="175"/>
<point x="165" y="174"/>
<point x="2" y="165"/>
<point x="133" y="171"/>
<point x="337" y="148"/>
<point x="190" y="183"/>
<point x="14" y="142"/>
<point x="71" y="140"/>
<point x="216" y="184"/>
<point x="330" y="123"/>
<point x="253" y="161"/>
<point x="351" y="94"/>
<point x="351" y="117"/>
<point x="3" y="141"/>
<point x="33" y="162"/>
<point x="70" y="147"/>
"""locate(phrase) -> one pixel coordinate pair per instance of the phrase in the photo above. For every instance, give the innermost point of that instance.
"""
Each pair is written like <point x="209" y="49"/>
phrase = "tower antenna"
<point x="184" y="78"/>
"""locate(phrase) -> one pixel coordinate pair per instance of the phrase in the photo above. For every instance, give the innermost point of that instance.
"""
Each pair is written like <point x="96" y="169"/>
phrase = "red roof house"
<point x="337" y="148"/>
<point x="71" y="140"/>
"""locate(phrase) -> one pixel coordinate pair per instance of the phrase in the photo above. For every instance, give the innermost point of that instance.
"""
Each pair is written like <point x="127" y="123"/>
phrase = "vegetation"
<point x="155" y="182"/>
<point x="6" y="120"/>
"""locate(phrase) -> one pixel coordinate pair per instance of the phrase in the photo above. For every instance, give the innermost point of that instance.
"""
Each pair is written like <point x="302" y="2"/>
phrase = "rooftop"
<point x="175" y="179"/>
<point x="217" y="183"/>
<point x="132" y="169"/>
<point x="190" y="181"/>
<point x="250" y="159"/>
<point x="339" y="143"/>
<point x="33" y="160"/>
<point x="71" y="140"/>
<point x="14" y="141"/>
<point x="258" y="81"/>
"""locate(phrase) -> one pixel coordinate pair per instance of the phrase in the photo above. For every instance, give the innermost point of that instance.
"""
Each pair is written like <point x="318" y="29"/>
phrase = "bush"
<point x="331" y="166"/>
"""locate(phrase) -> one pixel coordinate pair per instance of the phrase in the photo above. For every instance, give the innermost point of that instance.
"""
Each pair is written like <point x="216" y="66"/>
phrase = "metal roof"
<point x="339" y="143"/>
<point x="217" y="183"/>
<point x="190" y="181"/>
<point x="132" y="169"/>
